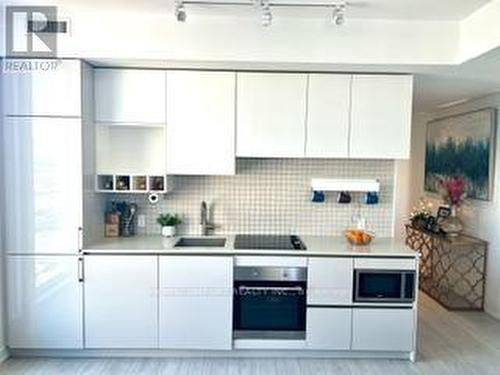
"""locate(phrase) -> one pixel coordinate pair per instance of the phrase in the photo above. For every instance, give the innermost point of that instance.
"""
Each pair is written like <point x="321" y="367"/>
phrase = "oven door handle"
<point x="243" y="288"/>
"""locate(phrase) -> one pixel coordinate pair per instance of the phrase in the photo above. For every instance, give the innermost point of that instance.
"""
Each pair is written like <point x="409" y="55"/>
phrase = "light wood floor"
<point x="450" y="343"/>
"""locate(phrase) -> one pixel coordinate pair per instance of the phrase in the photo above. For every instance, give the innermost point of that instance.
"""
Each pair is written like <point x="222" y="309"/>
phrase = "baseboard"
<point x="4" y="354"/>
<point x="235" y="353"/>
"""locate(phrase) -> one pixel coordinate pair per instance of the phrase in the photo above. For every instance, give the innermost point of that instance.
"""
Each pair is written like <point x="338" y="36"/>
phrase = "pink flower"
<point x="453" y="190"/>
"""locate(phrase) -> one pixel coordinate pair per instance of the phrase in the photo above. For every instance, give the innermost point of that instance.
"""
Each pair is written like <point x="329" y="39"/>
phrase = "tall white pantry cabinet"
<point x="43" y="184"/>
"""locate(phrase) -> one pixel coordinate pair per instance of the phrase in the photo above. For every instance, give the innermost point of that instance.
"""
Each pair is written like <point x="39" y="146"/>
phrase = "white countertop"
<point x="316" y="246"/>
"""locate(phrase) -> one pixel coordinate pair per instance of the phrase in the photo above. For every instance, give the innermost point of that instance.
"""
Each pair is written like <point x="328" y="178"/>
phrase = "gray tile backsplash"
<point x="273" y="196"/>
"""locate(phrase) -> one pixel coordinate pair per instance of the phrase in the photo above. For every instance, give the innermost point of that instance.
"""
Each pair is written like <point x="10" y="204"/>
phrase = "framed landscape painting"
<point x="462" y="145"/>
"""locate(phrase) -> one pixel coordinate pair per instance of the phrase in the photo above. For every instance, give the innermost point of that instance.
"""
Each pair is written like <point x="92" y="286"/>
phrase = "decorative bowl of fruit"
<point x="358" y="237"/>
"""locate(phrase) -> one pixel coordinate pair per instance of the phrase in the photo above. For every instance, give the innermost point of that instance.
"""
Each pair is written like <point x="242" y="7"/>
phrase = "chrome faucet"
<point x="206" y="225"/>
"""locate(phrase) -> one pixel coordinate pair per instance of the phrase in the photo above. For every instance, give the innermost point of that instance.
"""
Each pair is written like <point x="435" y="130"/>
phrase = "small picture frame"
<point x="443" y="212"/>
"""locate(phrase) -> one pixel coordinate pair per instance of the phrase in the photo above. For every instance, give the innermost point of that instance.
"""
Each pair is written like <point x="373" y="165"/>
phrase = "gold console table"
<point x="452" y="269"/>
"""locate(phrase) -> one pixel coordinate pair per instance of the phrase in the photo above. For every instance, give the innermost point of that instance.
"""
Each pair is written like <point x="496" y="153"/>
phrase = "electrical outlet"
<point x="141" y="221"/>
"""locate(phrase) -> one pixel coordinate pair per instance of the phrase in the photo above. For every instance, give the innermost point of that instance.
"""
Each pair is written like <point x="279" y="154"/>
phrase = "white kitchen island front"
<point x="341" y="320"/>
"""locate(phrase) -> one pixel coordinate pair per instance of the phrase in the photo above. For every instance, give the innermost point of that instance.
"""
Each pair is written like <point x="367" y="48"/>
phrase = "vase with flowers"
<point x="453" y="194"/>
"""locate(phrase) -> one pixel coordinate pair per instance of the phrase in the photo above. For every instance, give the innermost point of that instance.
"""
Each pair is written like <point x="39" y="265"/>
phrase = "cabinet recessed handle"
<point x="80" y="239"/>
<point x="81" y="272"/>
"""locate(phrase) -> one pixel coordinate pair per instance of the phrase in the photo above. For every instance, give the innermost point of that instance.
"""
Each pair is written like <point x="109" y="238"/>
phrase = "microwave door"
<point x="383" y="286"/>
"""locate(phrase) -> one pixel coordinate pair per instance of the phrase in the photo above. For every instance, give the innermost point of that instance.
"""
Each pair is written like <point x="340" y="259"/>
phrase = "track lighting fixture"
<point x="267" y="16"/>
<point x="180" y="11"/>
<point x="338" y="14"/>
<point x="264" y="8"/>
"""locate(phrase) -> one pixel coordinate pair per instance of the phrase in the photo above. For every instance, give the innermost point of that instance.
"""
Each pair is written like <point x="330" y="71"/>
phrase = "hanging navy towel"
<point x="318" y="196"/>
<point x="371" y="198"/>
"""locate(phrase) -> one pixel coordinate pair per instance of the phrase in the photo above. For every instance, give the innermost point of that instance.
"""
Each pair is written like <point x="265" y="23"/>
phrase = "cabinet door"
<point x="328" y="112"/>
<point x="271" y="114"/>
<point x="381" y="113"/>
<point x="201" y="123"/>
<point x="328" y="328"/>
<point x="43" y="170"/>
<point x="329" y="281"/>
<point x="383" y="329"/>
<point x="44" y="302"/>
<point x="121" y="301"/>
<point x="130" y="96"/>
<point x="42" y="87"/>
<point x="196" y="302"/>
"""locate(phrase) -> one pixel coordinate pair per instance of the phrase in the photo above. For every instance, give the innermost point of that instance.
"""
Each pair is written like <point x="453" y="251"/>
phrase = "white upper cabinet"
<point x="196" y="302"/>
<point x="381" y="113"/>
<point x="271" y="114"/>
<point x="43" y="197"/>
<point x="44" y="302"/>
<point x="42" y="88"/>
<point x="328" y="112"/>
<point x="130" y="96"/>
<point x="121" y="301"/>
<point x="201" y="123"/>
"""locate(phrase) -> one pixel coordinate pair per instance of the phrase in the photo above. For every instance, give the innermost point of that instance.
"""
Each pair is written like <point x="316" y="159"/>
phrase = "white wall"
<point x="482" y="219"/>
<point x="479" y="32"/>
<point x="206" y="38"/>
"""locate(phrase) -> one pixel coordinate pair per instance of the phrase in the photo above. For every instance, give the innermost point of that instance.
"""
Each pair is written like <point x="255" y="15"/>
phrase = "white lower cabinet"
<point x="196" y="302"/>
<point x="383" y="329"/>
<point x="328" y="328"/>
<point x="329" y="281"/>
<point x="121" y="301"/>
<point x="44" y="302"/>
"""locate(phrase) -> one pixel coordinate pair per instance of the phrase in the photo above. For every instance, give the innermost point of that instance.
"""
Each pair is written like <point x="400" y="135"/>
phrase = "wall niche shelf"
<point x="132" y="183"/>
<point x="351" y="185"/>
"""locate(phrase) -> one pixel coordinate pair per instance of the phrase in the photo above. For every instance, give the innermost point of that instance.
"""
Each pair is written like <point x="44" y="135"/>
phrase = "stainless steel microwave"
<point x="379" y="286"/>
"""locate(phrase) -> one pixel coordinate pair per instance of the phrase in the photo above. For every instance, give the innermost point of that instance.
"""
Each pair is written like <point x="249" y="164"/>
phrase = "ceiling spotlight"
<point x="265" y="11"/>
<point x="338" y="14"/>
<point x="267" y="16"/>
<point x="180" y="11"/>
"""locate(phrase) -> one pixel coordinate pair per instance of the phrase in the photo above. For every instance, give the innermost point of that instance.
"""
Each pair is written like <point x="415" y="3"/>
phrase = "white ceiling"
<point x="376" y="9"/>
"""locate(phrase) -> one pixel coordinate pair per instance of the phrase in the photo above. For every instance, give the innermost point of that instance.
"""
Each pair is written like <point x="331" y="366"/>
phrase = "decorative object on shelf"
<point x="139" y="183"/>
<point x="452" y="269"/>
<point x="105" y="182"/>
<point x="156" y="183"/>
<point x="122" y="183"/>
<point x="168" y="223"/>
<point x="462" y="145"/>
<point x="453" y="193"/>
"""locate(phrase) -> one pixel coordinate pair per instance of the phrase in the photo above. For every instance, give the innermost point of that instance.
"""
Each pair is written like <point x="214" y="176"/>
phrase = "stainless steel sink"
<point x="201" y="242"/>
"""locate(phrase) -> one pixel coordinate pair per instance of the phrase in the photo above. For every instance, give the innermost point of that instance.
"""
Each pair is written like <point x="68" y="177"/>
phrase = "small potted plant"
<point x="168" y="223"/>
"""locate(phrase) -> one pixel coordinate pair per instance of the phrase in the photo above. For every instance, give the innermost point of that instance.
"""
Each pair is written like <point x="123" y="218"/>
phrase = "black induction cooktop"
<point x="267" y="242"/>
